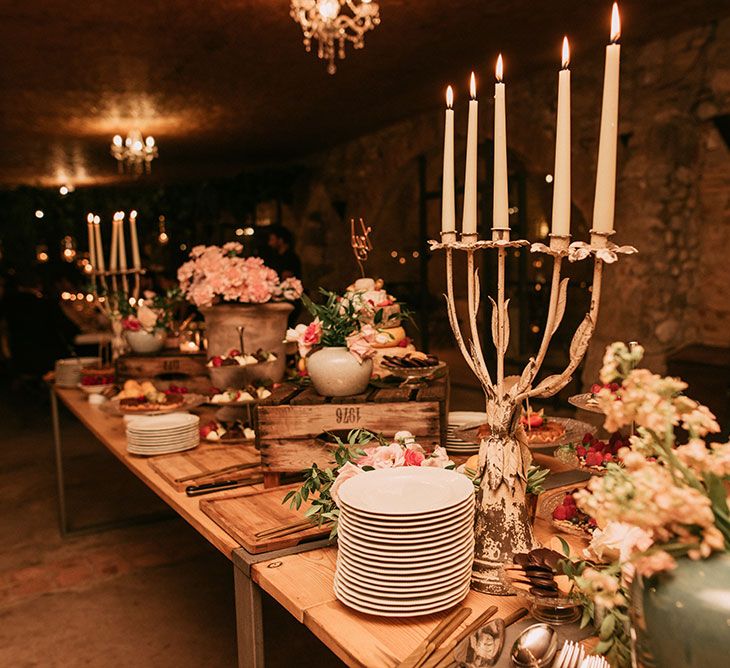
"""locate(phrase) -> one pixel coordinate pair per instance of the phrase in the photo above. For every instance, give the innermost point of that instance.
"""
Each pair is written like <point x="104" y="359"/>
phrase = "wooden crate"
<point x="164" y="368"/>
<point x="288" y="422"/>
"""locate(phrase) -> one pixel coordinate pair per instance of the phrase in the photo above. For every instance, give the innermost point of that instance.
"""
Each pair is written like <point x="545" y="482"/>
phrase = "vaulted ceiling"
<point x="226" y="83"/>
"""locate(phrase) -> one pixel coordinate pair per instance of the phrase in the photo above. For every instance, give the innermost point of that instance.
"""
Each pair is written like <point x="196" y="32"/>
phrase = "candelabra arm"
<point x="578" y="346"/>
<point x="451" y="310"/>
<point x="502" y="331"/>
<point x="473" y="297"/>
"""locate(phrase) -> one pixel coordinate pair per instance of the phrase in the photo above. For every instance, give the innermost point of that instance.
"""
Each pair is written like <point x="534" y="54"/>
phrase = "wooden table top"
<point x="302" y="583"/>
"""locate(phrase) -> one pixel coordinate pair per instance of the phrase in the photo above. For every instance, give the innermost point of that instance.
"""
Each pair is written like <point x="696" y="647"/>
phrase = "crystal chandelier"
<point x="135" y="153"/>
<point x="333" y="23"/>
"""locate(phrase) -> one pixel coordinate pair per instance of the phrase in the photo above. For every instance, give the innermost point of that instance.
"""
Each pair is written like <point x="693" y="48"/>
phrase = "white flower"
<point x="147" y="317"/>
<point x="618" y="541"/>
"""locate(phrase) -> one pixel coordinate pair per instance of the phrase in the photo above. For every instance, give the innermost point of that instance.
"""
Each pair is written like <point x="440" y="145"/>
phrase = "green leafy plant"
<point x="536" y="477"/>
<point x="338" y="317"/>
<point x="318" y="481"/>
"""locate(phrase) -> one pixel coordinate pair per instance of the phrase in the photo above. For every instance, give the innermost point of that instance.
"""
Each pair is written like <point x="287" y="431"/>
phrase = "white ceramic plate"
<point x="459" y="418"/>
<point x="389" y="598"/>
<point x="425" y="524"/>
<point x="411" y="519"/>
<point x="404" y="561"/>
<point x="401" y="610"/>
<point x="147" y="453"/>
<point x="406" y="490"/>
<point x="147" y="423"/>
<point x="420" y="581"/>
<point x="411" y="571"/>
<point x="412" y="547"/>
<point x="397" y="535"/>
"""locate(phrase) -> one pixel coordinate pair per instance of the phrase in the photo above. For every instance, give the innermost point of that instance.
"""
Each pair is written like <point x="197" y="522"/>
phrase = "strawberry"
<point x="594" y="459"/>
<point x="216" y="361"/>
<point x="569" y="501"/>
<point x="608" y="457"/>
<point x="587" y="438"/>
<point x="570" y="512"/>
<point x="233" y="352"/>
<point x="596" y="388"/>
<point x="207" y="429"/>
<point x="560" y="513"/>
<point x="580" y="451"/>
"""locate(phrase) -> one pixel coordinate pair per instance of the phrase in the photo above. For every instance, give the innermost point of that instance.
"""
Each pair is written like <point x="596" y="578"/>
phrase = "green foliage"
<point x="536" y="477"/>
<point x="318" y="482"/>
<point x="338" y="318"/>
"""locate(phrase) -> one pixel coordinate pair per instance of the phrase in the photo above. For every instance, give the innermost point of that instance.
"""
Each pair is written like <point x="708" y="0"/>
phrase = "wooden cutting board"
<point x="206" y="458"/>
<point x="243" y="514"/>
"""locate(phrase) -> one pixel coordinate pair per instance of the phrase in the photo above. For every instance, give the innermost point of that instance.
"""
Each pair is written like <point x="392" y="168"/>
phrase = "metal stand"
<point x="249" y="617"/>
<point x="63" y="520"/>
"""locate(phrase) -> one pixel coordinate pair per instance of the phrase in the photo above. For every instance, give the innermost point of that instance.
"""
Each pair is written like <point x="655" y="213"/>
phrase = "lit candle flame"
<point x="132" y="214"/>
<point x="615" y="24"/>
<point x="449" y="97"/>
<point x="566" y="53"/>
<point x="473" y="87"/>
<point x="499" y="70"/>
<point x="90" y="218"/>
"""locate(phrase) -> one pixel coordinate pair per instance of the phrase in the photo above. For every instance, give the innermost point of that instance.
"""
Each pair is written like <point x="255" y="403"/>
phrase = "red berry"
<point x="594" y="459"/>
<point x="587" y="438"/>
<point x="608" y="457"/>
<point x="592" y="522"/>
<point x="569" y="501"/>
<point x="217" y="361"/>
<point x="614" y="387"/>
<point x="233" y="352"/>
<point x="560" y="513"/>
<point x="596" y="388"/>
<point x="580" y="451"/>
<point x="570" y="512"/>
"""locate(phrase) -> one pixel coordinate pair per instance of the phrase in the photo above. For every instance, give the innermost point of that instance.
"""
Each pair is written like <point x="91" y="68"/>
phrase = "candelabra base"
<point x="502" y="525"/>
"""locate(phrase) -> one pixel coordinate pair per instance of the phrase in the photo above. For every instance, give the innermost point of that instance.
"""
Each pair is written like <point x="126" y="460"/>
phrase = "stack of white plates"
<point x="457" y="443"/>
<point x="406" y="541"/>
<point x="162" y="434"/>
<point x="68" y="371"/>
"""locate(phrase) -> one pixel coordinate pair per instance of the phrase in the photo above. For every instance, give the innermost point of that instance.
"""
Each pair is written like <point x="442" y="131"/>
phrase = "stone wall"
<point x="673" y="187"/>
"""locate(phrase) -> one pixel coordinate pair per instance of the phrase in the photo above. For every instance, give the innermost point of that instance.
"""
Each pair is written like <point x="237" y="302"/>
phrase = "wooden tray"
<point x="243" y="514"/>
<point x="204" y="459"/>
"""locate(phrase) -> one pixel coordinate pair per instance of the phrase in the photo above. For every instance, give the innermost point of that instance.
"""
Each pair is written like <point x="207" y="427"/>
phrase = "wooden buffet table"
<point x="300" y="578"/>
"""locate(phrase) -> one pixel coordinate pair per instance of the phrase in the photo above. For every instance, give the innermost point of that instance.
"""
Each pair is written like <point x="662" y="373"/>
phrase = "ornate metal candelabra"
<point x="502" y="526"/>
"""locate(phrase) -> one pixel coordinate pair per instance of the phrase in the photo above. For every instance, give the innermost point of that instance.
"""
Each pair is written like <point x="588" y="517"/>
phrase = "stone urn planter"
<point x="265" y="328"/>
<point x="336" y="372"/>
<point x="680" y="618"/>
<point x="143" y="342"/>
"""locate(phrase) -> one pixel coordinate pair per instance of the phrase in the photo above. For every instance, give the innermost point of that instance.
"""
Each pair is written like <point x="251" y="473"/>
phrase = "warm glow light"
<point x="97" y="220"/>
<point x="328" y="9"/>
<point x="39" y="213"/>
<point x="119" y="215"/>
<point x="89" y="298"/>
<point x="499" y="70"/>
<point x="90" y="218"/>
<point x="566" y="53"/>
<point x="473" y="87"/>
<point x="450" y="96"/>
<point x="163" y="238"/>
<point x="615" y="24"/>
<point x="117" y="140"/>
<point x="239" y="232"/>
<point x="132" y="214"/>
<point x="63" y="190"/>
<point x="150" y="141"/>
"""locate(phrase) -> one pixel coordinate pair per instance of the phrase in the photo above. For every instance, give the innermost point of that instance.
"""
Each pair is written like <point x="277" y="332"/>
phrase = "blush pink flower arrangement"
<point x="216" y="274"/>
<point x="362" y="452"/>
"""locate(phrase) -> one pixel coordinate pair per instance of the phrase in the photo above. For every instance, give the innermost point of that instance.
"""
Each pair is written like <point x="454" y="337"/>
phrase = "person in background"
<point x="280" y="254"/>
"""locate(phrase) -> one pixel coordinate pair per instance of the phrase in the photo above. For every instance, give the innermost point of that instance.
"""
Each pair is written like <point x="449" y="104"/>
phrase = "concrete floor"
<point x="155" y="594"/>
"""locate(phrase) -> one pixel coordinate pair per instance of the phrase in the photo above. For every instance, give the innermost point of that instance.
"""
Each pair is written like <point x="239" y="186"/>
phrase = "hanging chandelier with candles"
<point x="135" y="153"/>
<point x="333" y="23"/>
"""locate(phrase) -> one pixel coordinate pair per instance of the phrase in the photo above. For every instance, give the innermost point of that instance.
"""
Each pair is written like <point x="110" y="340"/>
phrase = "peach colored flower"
<point x="618" y="541"/>
<point x="655" y="562"/>
<point x="349" y="470"/>
<point x="388" y="456"/>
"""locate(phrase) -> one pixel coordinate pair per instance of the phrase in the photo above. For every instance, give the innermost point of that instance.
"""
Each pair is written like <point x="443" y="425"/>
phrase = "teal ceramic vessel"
<point x="682" y="618"/>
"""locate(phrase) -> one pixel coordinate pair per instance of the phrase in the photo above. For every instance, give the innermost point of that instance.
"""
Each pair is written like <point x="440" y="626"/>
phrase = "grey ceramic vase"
<point x="265" y="328"/>
<point x="336" y="372"/>
<point x="145" y="343"/>
<point x="680" y="618"/>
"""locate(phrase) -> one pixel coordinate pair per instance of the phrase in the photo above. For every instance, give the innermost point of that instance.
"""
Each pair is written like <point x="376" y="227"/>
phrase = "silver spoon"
<point x="535" y="646"/>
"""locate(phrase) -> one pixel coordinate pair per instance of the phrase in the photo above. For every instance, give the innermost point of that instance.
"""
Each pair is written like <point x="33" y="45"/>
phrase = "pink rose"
<point x="388" y="456"/>
<point x="413" y="457"/>
<point x="313" y="333"/>
<point x="349" y="470"/>
<point x="360" y="343"/>
<point x="131" y="324"/>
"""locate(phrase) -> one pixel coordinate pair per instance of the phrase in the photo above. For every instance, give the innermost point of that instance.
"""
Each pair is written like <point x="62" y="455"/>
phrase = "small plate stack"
<point x="406" y="541"/>
<point x="162" y="434"/>
<point x="460" y="442"/>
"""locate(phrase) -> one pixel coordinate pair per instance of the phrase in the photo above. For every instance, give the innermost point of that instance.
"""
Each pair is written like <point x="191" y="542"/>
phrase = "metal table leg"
<point x="63" y="520"/>
<point x="249" y="620"/>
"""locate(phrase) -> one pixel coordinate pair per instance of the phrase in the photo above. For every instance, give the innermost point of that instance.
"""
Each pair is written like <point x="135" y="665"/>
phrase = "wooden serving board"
<point x="204" y="459"/>
<point x="243" y="514"/>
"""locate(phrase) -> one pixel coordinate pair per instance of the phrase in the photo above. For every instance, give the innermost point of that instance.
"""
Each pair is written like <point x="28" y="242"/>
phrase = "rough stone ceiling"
<point x="226" y="83"/>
